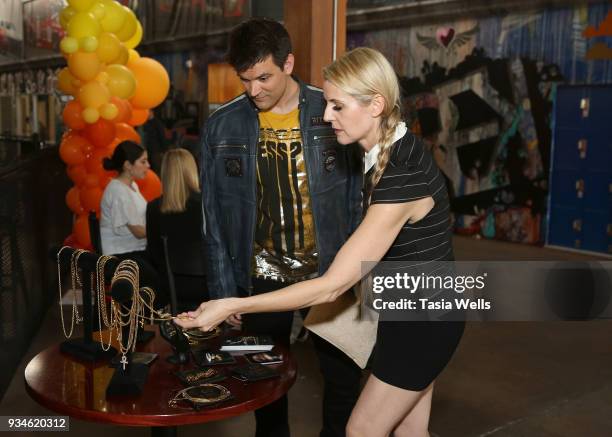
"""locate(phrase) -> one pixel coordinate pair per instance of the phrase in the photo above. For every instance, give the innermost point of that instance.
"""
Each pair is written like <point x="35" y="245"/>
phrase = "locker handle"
<point x="584" y="106"/>
<point x="580" y="188"/>
<point x="577" y="225"/>
<point x="582" y="148"/>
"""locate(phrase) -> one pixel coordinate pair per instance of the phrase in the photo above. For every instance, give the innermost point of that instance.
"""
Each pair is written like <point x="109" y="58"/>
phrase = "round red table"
<point x="78" y="389"/>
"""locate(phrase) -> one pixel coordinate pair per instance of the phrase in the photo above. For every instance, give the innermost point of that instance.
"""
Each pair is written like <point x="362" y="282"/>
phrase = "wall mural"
<point x="481" y="93"/>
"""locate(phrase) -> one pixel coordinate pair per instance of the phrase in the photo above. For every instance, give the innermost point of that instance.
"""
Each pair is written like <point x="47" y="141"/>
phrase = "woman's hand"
<point x="207" y="316"/>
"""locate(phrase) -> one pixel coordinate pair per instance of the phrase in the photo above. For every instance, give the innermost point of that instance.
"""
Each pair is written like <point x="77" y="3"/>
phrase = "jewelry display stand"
<point x="130" y="374"/>
<point x="85" y="348"/>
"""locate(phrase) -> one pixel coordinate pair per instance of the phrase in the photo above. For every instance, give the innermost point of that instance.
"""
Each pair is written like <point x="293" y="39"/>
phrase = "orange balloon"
<point x="72" y="115"/>
<point x="104" y="181"/>
<point x="126" y="132"/>
<point x="152" y="83"/>
<point x="100" y="133"/>
<point x="124" y="109"/>
<point x="139" y="116"/>
<point x="80" y="230"/>
<point x="77" y="174"/>
<point x="94" y="163"/>
<point x="91" y="181"/>
<point x="84" y="66"/>
<point x="73" y="200"/>
<point x="71" y="149"/>
<point x="150" y="186"/>
<point x="90" y="198"/>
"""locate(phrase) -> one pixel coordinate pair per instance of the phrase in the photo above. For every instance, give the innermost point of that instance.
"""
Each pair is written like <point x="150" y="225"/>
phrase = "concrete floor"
<point x="506" y="379"/>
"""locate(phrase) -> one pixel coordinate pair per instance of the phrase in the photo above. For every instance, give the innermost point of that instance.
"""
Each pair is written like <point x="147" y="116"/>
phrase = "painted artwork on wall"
<point x="481" y="93"/>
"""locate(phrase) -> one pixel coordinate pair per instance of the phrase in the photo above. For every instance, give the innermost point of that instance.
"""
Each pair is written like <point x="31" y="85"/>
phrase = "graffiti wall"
<point x="481" y="92"/>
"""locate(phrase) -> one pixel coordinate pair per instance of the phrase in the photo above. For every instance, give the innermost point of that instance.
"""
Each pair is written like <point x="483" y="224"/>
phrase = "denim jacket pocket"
<point x="330" y="163"/>
<point x="232" y="168"/>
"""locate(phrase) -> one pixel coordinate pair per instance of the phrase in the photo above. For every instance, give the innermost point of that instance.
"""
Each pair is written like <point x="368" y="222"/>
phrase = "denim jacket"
<point x="228" y="174"/>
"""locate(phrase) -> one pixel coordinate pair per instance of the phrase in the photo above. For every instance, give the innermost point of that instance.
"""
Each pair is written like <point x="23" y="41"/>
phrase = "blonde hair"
<point x="364" y="73"/>
<point x="179" y="176"/>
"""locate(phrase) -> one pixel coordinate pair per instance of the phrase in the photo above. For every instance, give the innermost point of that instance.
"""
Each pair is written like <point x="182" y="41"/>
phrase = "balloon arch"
<point x="113" y="88"/>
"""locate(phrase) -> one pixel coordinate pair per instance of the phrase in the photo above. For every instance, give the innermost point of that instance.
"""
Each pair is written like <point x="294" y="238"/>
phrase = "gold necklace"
<point x="74" y="279"/>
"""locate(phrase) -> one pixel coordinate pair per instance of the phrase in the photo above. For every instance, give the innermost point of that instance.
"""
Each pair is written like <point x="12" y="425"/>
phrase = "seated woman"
<point x="178" y="216"/>
<point x="123" y="212"/>
<point x="123" y="209"/>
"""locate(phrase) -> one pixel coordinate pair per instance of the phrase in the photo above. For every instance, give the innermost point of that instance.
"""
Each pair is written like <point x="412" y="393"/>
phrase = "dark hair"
<point x="125" y="151"/>
<point x="256" y="39"/>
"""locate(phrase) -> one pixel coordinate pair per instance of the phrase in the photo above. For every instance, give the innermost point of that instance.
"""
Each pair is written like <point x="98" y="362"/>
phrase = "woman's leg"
<point x="381" y="408"/>
<point x="416" y="423"/>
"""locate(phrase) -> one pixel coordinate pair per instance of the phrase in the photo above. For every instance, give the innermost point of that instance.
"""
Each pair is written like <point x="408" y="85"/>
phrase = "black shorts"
<point x="410" y="355"/>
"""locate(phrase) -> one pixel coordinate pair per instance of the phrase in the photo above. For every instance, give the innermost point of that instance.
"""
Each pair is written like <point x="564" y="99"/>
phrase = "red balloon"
<point x="80" y="230"/>
<point x="72" y="115"/>
<point x="139" y="116"/>
<point x="150" y="186"/>
<point x="77" y="174"/>
<point x="100" y="133"/>
<point x="90" y="198"/>
<point x="71" y="149"/>
<point x="73" y="201"/>
<point x="127" y="132"/>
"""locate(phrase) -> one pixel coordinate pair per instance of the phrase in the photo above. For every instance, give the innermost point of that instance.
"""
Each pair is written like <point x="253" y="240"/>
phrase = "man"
<point x="280" y="197"/>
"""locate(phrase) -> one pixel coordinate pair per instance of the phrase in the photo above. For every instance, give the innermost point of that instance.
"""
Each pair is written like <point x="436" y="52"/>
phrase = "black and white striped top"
<point x="412" y="174"/>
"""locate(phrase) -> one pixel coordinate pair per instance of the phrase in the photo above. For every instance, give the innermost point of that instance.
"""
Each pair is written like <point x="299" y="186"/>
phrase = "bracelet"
<point x="196" y="396"/>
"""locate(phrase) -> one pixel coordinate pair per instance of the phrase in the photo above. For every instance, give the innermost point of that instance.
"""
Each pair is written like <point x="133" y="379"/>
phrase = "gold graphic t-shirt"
<point x="285" y="248"/>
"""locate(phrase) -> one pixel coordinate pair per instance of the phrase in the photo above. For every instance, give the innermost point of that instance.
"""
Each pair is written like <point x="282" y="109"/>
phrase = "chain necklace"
<point x="74" y="279"/>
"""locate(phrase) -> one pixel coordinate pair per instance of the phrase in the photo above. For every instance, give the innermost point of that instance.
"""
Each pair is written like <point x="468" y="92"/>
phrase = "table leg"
<point x="163" y="431"/>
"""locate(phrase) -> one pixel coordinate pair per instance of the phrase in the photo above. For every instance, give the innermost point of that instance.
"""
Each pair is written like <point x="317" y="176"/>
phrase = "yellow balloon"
<point x="84" y="66"/>
<point x="65" y="16"/>
<point x="90" y="115"/>
<point x="132" y="55"/>
<point x="128" y="29"/>
<point x="136" y="38"/>
<point x="108" y="47"/>
<point x="83" y="24"/>
<point x="93" y="95"/>
<point x="121" y="82"/>
<point x="123" y="56"/>
<point x="98" y="10"/>
<point x="102" y="77"/>
<point x="114" y="16"/>
<point x="64" y="82"/>
<point x="89" y="44"/>
<point x="81" y="5"/>
<point x="69" y="44"/>
<point x="109" y="111"/>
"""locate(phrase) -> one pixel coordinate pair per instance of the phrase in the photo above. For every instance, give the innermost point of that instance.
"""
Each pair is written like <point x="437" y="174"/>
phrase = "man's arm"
<point x="219" y="272"/>
<point x="355" y="186"/>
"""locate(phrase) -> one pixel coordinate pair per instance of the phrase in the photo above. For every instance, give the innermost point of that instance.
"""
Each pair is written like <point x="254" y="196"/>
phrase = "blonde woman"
<point x="407" y="219"/>
<point x="178" y="216"/>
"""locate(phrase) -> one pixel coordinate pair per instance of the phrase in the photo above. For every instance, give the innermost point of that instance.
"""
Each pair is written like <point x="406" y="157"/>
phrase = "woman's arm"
<point x="369" y="242"/>
<point x="139" y="231"/>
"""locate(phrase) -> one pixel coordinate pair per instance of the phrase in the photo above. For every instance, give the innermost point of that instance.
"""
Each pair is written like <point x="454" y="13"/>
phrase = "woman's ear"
<point x="377" y="105"/>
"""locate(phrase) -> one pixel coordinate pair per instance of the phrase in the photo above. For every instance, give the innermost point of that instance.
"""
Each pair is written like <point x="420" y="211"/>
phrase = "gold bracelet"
<point x="183" y="395"/>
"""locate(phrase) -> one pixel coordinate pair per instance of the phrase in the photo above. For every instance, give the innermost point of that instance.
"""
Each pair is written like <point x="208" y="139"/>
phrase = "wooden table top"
<point x="78" y="389"/>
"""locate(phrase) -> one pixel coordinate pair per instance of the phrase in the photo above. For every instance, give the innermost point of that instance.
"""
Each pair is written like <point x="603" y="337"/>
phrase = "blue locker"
<point x="580" y="203"/>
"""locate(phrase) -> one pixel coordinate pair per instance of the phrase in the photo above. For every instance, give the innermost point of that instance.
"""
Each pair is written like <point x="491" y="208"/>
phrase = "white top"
<point x="121" y="206"/>
<point x="371" y="157"/>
